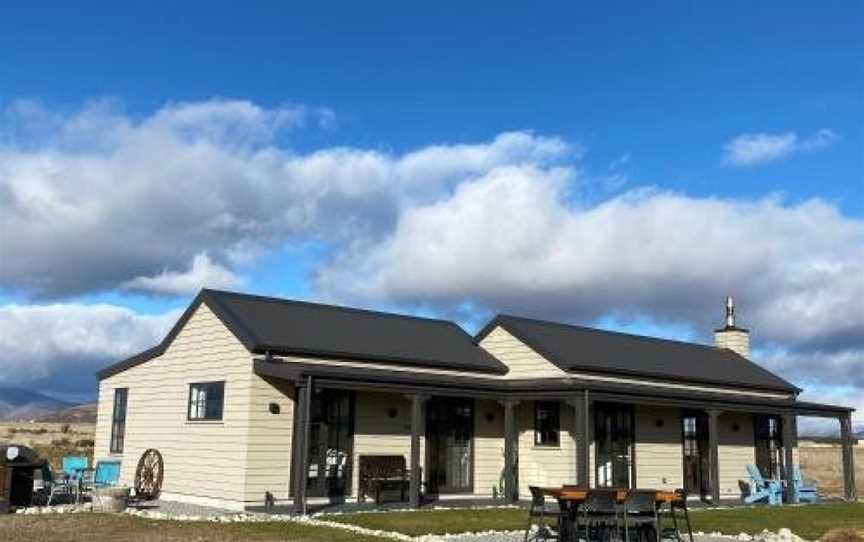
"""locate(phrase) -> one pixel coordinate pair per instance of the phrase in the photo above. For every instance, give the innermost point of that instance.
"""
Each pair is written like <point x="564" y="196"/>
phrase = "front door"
<point x="331" y="439"/>
<point x="613" y="438"/>
<point x="697" y="458"/>
<point x="449" y="438"/>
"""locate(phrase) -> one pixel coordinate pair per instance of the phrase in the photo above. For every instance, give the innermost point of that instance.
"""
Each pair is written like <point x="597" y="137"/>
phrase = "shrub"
<point x="85" y="443"/>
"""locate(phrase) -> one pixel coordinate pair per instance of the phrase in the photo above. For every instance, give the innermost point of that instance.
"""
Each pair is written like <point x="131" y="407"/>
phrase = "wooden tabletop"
<point x="576" y="494"/>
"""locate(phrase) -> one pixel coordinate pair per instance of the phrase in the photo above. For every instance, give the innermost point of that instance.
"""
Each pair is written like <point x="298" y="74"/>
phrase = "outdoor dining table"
<point x="571" y="497"/>
<point x="577" y="494"/>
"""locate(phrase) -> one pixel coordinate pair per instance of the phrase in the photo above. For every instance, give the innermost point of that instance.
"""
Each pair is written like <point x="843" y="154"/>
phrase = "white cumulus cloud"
<point x="98" y="199"/>
<point x="95" y="198"/>
<point x="71" y="341"/>
<point x="203" y="273"/>
<point x="511" y="241"/>
<point x="755" y="149"/>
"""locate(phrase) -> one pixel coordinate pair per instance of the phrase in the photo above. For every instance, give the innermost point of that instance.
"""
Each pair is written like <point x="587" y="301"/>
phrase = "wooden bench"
<point x="380" y="474"/>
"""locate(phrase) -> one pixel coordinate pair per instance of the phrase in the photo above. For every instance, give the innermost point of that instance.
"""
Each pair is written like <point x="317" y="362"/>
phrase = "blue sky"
<point x="665" y="82"/>
<point x="391" y="120"/>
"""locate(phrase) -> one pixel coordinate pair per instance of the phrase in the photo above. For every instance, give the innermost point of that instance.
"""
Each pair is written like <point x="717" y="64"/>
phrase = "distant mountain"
<point x="829" y="433"/>
<point x="24" y="404"/>
<point x="76" y="414"/>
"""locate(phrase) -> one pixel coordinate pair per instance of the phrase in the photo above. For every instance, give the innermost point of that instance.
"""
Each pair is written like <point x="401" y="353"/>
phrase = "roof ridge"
<point x="330" y="306"/>
<point x="607" y="331"/>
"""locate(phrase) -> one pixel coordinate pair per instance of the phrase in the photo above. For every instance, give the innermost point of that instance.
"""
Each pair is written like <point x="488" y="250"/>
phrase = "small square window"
<point x="206" y="400"/>
<point x="547" y="423"/>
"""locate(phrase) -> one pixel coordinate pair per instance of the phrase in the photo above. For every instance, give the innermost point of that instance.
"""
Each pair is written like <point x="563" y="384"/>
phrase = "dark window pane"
<point x="206" y="400"/>
<point x="769" y="446"/>
<point x="118" y="421"/>
<point x="546" y="423"/>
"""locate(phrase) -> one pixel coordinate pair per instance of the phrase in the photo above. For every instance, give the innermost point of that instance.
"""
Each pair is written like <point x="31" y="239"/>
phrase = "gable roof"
<point x="582" y="349"/>
<point x="287" y="327"/>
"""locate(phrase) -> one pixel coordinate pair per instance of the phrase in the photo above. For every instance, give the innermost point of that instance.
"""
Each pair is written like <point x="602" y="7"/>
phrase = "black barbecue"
<point x="18" y="465"/>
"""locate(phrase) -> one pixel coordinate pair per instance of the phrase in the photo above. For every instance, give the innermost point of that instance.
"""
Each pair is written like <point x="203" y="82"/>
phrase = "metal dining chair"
<point x="600" y="511"/>
<point x="67" y="482"/>
<point x="540" y="511"/>
<point x="640" y="511"/>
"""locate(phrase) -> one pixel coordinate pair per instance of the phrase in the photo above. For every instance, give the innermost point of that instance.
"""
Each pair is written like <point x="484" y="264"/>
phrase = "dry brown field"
<point x="823" y="464"/>
<point x="51" y="440"/>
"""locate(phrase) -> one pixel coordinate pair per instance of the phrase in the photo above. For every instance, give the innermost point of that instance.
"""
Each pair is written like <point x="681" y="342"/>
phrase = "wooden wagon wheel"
<point x="148" y="475"/>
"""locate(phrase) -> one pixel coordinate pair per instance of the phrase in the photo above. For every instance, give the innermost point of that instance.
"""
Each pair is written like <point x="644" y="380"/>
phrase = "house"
<point x="251" y="398"/>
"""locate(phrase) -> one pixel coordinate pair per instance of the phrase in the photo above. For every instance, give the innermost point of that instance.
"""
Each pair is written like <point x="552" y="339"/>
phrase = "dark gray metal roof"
<point x="295" y="327"/>
<point x="575" y="348"/>
<point x="285" y="327"/>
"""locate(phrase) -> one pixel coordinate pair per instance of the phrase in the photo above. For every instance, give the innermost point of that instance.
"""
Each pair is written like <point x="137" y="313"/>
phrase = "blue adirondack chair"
<point x="761" y="489"/>
<point x="74" y="465"/>
<point x="804" y="492"/>
<point x="107" y="473"/>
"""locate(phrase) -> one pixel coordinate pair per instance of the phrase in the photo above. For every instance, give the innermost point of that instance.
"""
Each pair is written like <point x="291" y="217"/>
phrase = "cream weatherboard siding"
<point x="488" y="448"/>
<point x="522" y="361"/>
<point x="268" y="455"/>
<point x="736" y="450"/>
<point x="659" y="451"/>
<point x="545" y="465"/>
<point x="206" y="462"/>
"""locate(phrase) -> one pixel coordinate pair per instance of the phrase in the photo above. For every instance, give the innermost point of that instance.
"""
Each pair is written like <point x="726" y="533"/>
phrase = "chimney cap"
<point x="730" y="317"/>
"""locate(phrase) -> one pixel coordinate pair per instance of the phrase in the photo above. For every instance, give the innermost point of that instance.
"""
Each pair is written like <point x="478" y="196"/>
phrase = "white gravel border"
<point x="782" y="535"/>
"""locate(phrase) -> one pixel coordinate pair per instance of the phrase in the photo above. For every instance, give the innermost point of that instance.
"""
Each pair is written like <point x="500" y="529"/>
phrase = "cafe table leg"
<point x="687" y="519"/>
<point x="674" y="515"/>
<point x="563" y="520"/>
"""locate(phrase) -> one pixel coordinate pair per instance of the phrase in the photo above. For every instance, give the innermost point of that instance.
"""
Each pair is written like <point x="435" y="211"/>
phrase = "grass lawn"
<point x="109" y="527"/>
<point x="809" y="522"/>
<point x="439" y="521"/>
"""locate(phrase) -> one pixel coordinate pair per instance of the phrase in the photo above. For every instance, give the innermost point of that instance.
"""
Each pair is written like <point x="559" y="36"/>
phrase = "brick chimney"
<point x="730" y="336"/>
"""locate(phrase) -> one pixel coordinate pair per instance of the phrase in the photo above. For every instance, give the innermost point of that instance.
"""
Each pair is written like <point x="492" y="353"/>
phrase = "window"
<point x="546" y="423"/>
<point x="118" y="420"/>
<point x="205" y="400"/>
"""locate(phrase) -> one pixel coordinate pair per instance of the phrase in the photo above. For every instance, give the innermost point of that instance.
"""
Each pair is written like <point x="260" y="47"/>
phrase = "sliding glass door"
<point x="449" y="440"/>
<point x="697" y="458"/>
<point x="331" y="439"/>
<point x="769" y="445"/>
<point x="613" y="441"/>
